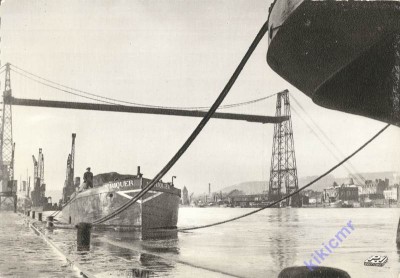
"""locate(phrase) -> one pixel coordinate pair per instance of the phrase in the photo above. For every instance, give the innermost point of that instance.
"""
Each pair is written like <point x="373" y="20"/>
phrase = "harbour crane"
<point x="38" y="179"/>
<point x="69" y="186"/>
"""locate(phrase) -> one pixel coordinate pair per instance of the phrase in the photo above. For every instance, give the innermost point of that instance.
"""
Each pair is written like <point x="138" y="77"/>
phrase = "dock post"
<point x="15" y="203"/>
<point x="33" y="214"/>
<point x="398" y="235"/>
<point x="319" y="271"/>
<point x="50" y="220"/>
<point x="39" y="216"/>
<point x="83" y="236"/>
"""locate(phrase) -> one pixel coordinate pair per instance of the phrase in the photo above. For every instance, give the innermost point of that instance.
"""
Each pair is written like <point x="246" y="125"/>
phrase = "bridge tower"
<point x="283" y="173"/>
<point x="7" y="146"/>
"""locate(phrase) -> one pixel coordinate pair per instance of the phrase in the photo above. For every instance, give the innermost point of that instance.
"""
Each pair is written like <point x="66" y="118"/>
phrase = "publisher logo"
<point x="376" y="261"/>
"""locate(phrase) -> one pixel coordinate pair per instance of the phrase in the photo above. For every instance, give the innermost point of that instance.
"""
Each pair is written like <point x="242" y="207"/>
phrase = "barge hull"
<point x="157" y="209"/>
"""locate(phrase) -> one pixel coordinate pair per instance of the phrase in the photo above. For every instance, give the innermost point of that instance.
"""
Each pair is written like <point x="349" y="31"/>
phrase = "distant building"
<point x="185" y="197"/>
<point x="348" y="193"/>
<point x="330" y="194"/>
<point x="345" y="193"/>
<point x="248" y="200"/>
<point x="391" y="193"/>
<point x="375" y="187"/>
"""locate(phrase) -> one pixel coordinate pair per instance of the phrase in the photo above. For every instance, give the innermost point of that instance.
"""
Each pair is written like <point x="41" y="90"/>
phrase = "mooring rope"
<point x="54" y="214"/>
<point x="293" y="193"/>
<point x="197" y="130"/>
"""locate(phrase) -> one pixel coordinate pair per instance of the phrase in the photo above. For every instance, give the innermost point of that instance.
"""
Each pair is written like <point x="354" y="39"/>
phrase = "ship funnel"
<point x="138" y="172"/>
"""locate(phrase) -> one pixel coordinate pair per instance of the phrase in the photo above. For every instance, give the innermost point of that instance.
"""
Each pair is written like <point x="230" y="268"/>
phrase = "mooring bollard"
<point x="139" y="273"/>
<point x="33" y="215"/>
<point x="50" y="220"/>
<point x="39" y="216"/>
<point x="83" y="236"/>
<point x="398" y="235"/>
<point x="319" y="271"/>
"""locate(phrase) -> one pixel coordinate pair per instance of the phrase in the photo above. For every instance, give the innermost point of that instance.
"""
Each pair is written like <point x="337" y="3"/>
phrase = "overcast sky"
<point x="172" y="53"/>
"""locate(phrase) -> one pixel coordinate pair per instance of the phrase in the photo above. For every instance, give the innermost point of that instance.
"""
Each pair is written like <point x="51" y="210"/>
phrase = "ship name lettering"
<point x="121" y="184"/>
<point x="162" y="185"/>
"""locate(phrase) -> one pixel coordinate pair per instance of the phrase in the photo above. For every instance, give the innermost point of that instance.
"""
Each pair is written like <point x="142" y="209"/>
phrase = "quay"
<point x="26" y="255"/>
<point x="53" y="252"/>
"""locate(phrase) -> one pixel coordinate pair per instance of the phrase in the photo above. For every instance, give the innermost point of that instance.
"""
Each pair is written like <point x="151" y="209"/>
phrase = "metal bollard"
<point x="319" y="271"/>
<point x="33" y="215"/>
<point x="50" y="220"/>
<point x="398" y="235"/>
<point x="39" y="216"/>
<point x="83" y="236"/>
<point x="139" y="273"/>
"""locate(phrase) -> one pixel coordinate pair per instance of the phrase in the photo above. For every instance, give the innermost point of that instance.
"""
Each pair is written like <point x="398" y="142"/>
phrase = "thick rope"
<point x="293" y="193"/>
<point x="54" y="214"/>
<point x="196" y="132"/>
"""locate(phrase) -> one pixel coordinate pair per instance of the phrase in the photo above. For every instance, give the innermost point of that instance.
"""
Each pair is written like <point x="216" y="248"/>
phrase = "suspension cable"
<point x="341" y="155"/>
<point x="294" y="192"/>
<point x="197" y="130"/>
<point x="69" y="90"/>
<point x="337" y="158"/>
<point x="63" y="90"/>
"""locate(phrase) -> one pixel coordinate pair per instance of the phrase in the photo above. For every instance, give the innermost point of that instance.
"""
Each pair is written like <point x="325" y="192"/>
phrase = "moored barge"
<point x="157" y="209"/>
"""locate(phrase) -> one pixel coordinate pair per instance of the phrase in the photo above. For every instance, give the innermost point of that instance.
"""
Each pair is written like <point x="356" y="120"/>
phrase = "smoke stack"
<point x="209" y="189"/>
<point x="138" y="172"/>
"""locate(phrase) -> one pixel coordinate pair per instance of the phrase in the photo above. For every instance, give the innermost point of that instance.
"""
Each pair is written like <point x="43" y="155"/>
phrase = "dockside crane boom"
<point x="41" y="167"/>
<point x="39" y="188"/>
<point x="69" y="186"/>
<point x="72" y="157"/>
<point x="35" y="169"/>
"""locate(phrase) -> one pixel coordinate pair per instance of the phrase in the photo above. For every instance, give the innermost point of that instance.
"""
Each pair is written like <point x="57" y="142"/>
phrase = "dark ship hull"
<point x="157" y="209"/>
<point x="345" y="55"/>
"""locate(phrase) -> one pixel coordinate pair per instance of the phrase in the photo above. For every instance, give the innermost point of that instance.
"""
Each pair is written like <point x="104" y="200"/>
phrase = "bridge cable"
<point x="356" y="175"/>
<point x="68" y="92"/>
<point x="294" y="192"/>
<point x="323" y="142"/>
<point x="197" y="130"/>
<point x="69" y="89"/>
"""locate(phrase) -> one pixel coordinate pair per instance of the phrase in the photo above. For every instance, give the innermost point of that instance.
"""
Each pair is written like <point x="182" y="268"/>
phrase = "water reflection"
<point x="258" y="246"/>
<point x="143" y="251"/>
<point x="283" y="240"/>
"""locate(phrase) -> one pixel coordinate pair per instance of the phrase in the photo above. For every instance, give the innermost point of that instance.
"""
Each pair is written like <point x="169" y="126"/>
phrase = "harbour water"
<point x="257" y="246"/>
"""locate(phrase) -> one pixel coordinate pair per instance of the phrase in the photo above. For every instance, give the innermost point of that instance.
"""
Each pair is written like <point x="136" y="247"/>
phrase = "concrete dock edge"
<point x="81" y="269"/>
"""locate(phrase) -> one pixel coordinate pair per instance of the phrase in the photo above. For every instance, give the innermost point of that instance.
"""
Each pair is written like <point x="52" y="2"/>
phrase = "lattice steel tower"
<point x="6" y="136"/>
<point x="283" y="174"/>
